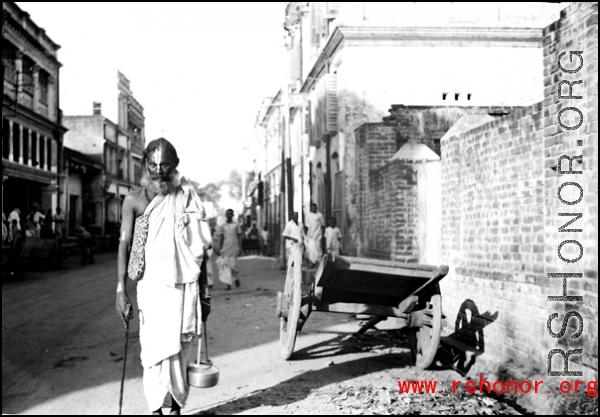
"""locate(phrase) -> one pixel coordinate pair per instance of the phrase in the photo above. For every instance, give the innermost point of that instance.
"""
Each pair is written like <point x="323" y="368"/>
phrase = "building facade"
<point x="269" y="125"/>
<point x="32" y="131"/>
<point x="350" y="62"/>
<point x="475" y="179"/>
<point x="118" y="148"/>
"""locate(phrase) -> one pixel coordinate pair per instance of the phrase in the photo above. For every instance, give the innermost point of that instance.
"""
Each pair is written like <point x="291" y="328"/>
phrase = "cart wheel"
<point x="293" y="295"/>
<point x="424" y="341"/>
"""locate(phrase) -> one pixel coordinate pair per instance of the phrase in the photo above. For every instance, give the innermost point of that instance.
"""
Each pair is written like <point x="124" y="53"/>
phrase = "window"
<point x="34" y="149"/>
<point x="122" y="164"/>
<point x="5" y="139"/>
<point x="43" y="80"/>
<point x="42" y="153"/>
<point x="49" y="154"/>
<point x="25" y="146"/>
<point x="28" y="75"/>
<point x="8" y="59"/>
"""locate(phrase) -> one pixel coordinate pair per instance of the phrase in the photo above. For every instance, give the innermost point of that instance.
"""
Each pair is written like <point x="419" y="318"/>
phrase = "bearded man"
<point x="172" y="294"/>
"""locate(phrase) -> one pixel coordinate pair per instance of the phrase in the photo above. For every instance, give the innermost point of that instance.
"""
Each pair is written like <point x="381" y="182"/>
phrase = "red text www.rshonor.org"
<point x="499" y="387"/>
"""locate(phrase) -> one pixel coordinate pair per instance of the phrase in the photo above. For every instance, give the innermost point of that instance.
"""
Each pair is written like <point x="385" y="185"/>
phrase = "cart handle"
<point x="440" y="273"/>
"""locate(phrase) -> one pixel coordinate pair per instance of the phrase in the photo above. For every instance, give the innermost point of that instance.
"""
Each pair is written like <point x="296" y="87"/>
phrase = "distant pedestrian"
<point x="264" y="240"/>
<point x="333" y="238"/>
<point x="229" y="236"/>
<point x="253" y="233"/>
<point x="29" y="228"/>
<point x="59" y="223"/>
<point x="293" y="234"/>
<point x="211" y="262"/>
<point x="15" y="215"/>
<point x="14" y="233"/>
<point x="36" y="218"/>
<point x="86" y="245"/>
<point x="46" y="226"/>
<point x="315" y="223"/>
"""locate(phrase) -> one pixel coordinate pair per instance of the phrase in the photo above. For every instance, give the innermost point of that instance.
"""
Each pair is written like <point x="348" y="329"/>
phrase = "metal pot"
<point x="203" y="374"/>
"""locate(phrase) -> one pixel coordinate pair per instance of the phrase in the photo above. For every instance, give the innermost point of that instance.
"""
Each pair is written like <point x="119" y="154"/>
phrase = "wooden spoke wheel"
<point x="292" y="298"/>
<point x="425" y="339"/>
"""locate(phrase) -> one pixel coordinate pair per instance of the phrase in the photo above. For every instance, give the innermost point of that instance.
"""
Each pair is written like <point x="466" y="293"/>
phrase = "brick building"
<point x="502" y="213"/>
<point x="32" y="131"/>
<point x="492" y="204"/>
<point x="351" y="61"/>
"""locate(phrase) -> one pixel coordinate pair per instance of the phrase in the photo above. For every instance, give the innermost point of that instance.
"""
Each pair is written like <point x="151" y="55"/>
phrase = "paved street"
<point x="62" y="347"/>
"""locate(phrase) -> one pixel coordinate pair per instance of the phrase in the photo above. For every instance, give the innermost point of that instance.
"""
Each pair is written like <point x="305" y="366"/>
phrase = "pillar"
<point x="10" y="141"/>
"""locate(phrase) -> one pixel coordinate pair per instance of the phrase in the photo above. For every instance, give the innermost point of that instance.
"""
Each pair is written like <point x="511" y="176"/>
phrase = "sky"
<point x="200" y="70"/>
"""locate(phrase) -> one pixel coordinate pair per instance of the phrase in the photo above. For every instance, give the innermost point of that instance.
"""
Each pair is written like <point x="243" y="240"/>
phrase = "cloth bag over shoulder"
<point x="137" y="260"/>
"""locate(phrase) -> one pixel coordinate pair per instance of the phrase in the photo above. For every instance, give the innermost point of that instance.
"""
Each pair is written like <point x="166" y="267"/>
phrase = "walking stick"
<point x="127" y="316"/>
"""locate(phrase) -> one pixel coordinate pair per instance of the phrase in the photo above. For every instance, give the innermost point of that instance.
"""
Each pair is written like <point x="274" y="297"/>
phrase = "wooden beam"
<point x="408" y="304"/>
<point x="381" y="267"/>
<point x="389" y="264"/>
<point x="352" y="308"/>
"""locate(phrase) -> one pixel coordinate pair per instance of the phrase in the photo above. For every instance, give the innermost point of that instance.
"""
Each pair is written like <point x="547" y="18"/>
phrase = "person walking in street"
<point x="253" y="233"/>
<point x="293" y="234"/>
<point x="228" y="247"/>
<point x="211" y="262"/>
<point x="163" y="242"/>
<point x="36" y="219"/>
<point x="59" y="223"/>
<point x="333" y="238"/>
<point x="264" y="241"/>
<point x="315" y="222"/>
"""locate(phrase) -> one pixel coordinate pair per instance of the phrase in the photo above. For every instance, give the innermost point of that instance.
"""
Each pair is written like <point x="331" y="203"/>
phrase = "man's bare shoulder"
<point x="136" y="201"/>
<point x="136" y="193"/>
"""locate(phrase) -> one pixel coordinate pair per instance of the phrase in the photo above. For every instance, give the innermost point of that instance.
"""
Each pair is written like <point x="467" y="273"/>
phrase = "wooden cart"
<point x="410" y="292"/>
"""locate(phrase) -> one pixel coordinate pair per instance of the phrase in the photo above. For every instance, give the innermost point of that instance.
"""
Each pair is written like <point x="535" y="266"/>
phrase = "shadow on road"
<point x="389" y="348"/>
<point x="346" y="343"/>
<point x="301" y="386"/>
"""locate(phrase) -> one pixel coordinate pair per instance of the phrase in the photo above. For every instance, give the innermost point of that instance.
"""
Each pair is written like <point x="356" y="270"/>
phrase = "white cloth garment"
<point x="292" y="231"/>
<point x="332" y="240"/>
<point x="227" y="267"/>
<point x="168" y="293"/>
<point x="315" y="223"/>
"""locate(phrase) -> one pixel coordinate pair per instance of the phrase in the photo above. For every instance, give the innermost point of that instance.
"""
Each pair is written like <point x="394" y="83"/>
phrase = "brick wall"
<point x="375" y="145"/>
<point x="500" y="213"/>
<point x="391" y="213"/>
<point x="387" y="215"/>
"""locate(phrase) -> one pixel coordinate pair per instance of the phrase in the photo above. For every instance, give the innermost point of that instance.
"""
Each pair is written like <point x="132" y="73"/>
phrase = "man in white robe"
<point x="172" y="294"/>
<point x="228" y="246"/>
<point x="293" y="234"/>
<point x="315" y="223"/>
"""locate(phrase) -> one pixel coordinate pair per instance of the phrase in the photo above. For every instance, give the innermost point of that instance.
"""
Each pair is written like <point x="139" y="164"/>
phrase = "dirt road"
<point x="62" y="350"/>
